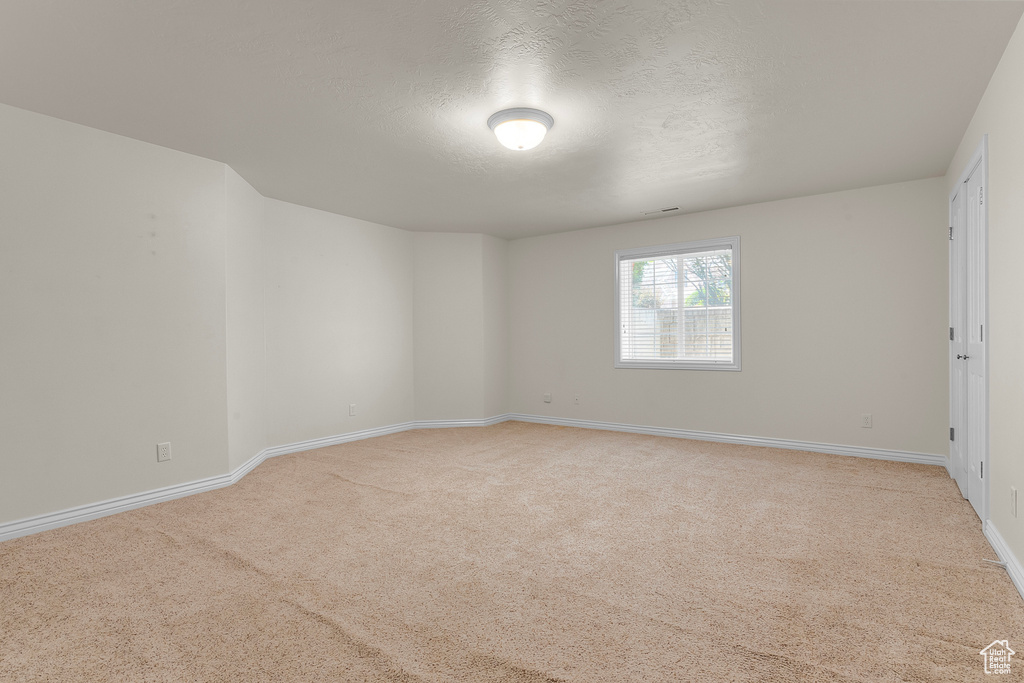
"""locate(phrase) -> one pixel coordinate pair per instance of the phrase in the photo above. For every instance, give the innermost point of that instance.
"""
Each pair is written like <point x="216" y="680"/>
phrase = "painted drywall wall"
<point x="1000" y="114"/>
<point x="449" y="322"/>
<point x="112" y="296"/>
<point x="494" y="287"/>
<point x="843" y="313"/>
<point x="246" y="355"/>
<point x="339" y="323"/>
<point x="461" y="324"/>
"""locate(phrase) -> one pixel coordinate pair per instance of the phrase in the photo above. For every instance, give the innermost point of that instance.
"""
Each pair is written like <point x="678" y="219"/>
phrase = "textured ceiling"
<point x="378" y="109"/>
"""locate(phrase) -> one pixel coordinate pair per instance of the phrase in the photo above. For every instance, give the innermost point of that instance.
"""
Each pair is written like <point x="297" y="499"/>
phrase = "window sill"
<point x="676" y="365"/>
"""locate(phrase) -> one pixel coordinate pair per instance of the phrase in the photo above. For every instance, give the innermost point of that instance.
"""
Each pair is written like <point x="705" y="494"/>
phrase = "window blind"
<point x="675" y="306"/>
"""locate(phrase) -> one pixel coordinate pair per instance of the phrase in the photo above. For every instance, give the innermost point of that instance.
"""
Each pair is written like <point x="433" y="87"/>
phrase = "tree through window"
<point x="677" y="306"/>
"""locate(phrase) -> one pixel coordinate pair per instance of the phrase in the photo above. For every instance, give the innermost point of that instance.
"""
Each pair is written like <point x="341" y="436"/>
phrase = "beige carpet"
<point x="521" y="553"/>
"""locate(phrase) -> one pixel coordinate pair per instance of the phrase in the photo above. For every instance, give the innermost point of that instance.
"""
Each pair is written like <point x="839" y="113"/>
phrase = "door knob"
<point x="965" y="357"/>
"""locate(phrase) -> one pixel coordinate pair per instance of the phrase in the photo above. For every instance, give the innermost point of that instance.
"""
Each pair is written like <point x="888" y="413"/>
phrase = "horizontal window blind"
<point x="676" y="307"/>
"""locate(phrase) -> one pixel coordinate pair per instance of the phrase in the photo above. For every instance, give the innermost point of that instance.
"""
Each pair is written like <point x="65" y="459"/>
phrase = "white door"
<point x="968" y="310"/>
<point x="977" y="392"/>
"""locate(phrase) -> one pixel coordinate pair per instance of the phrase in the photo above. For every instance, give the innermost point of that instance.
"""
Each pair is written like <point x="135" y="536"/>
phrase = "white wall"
<point x="112" y="301"/>
<point x="246" y="355"/>
<point x="844" y="313"/>
<point x="1001" y="115"/>
<point x="494" y="288"/>
<point x="339" y="323"/>
<point x="449" y="326"/>
<point x="460" y="326"/>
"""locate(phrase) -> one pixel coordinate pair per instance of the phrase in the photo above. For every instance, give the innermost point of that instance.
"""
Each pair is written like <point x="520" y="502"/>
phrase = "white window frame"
<point x="731" y="243"/>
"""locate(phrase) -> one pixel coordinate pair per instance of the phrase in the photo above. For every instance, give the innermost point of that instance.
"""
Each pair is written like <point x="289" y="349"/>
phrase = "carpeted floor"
<point x="521" y="553"/>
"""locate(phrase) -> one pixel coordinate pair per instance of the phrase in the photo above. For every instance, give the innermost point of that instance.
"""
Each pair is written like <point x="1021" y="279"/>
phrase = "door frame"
<point x="979" y="162"/>
<point x="957" y="467"/>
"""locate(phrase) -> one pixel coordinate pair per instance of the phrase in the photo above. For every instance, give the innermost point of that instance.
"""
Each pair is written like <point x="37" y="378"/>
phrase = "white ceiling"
<point x="377" y="109"/>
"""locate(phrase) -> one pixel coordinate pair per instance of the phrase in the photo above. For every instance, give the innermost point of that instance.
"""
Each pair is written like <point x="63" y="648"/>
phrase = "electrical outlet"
<point x="1013" y="501"/>
<point x="163" y="452"/>
<point x="865" y="421"/>
<point x="547" y="398"/>
<point x="351" y="409"/>
<point x="576" y="399"/>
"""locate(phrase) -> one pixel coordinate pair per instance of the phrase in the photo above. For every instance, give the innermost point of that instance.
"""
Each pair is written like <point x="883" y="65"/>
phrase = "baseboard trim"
<point x="371" y="433"/>
<point x="1013" y="566"/>
<point x="82" y="513"/>
<point x="444" y="424"/>
<point x="834" y="449"/>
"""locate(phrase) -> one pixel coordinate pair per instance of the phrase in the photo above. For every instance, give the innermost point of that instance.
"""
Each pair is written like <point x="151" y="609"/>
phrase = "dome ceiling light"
<point x="520" y="128"/>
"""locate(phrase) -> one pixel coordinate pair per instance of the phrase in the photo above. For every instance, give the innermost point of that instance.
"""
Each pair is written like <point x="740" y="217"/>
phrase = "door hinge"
<point x="951" y="232"/>
<point x="982" y="333"/>
<point x="951" y="334"/>
<point x="982" y="470"/>
<point x="951" y="433"/>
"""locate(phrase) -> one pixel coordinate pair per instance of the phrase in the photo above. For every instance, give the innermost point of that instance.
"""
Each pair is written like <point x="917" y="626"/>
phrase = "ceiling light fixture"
<point x="520" y="128"/>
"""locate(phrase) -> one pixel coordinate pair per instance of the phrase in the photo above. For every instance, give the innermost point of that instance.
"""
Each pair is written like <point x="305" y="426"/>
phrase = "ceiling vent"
<point x="658" y="212"/>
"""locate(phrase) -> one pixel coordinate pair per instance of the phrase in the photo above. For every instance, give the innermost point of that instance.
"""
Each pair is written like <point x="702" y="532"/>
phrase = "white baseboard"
<point x="1013" y="565"/>
<point x="326" y="441"/>
<point x="835" y="449"/>
<point x="369" y="434"/>
<point x="82" y="513"/>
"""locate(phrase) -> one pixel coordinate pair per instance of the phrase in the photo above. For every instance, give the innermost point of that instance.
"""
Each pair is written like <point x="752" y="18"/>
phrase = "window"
<point x="678" y="306"/>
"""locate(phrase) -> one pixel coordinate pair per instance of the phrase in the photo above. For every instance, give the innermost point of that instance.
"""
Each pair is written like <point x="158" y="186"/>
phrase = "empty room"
<point x="582" y="341"/>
